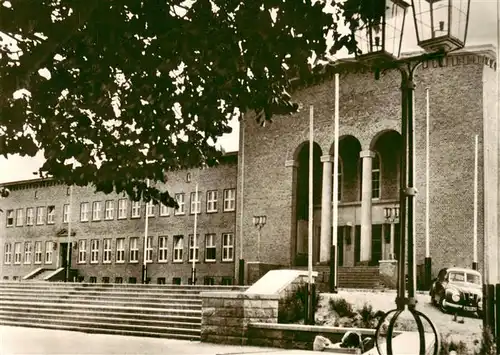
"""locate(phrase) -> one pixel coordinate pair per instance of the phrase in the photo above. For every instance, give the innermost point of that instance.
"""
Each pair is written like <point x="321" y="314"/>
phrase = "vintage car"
<point x="457" y="289"/>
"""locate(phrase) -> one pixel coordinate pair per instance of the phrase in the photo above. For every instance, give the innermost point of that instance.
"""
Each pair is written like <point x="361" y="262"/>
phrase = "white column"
<point x="391" y="253"/>
<point x="366" y="206"/>
<point x="326" y="209"/>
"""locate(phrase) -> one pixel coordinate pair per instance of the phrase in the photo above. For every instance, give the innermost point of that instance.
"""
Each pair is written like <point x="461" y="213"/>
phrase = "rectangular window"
<point x="51" y="213"/>
<point x="109" y="210"/>
<point x="134" y="249"/>
<point x="193" y="248"/>
<point x="227" y="281"/>
<point x="96" y="210"/>
<point x="40" y="214"/>
<point x="84" y="212"/>
<point x="227" y="247"/>
<point x="49" y="249"/>
<point x="195" y="203"/>
<point x="7" y="253"/>
<point x="150" y="209"/>
<point x="19" y="217"/>
<point x="164" y="210"/>
<point x="209" y="281"/>
<point x="376" y="176"/>
<point x="178" y="248"/>
<point x="38" y="252"/>
<point x="17" y="253"/>
<point x="212" y="201"/>
<point x="29" y="216"/>
<point x="162" y="249"/>
<point x="210" y="248"/>
<point x="180" y="201"/>
<point x="136" y="209"/>
<point x="27" y="252"/>
<point x="82" y="251"/>
<point x="229" y="199"/>
<point x="122" y="208"/>
<point x="10" y="218"/>
<point x="149" y="249"/>
<point x="120" y="250"/>
<point x="65" y="213"/>
<point x="94" y="251"/>
<point x="118" y="280"/>
<point x="106" y="252"/>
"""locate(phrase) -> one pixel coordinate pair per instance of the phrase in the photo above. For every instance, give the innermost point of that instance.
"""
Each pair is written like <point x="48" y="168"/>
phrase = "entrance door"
<point x="376" y="244"/>
<point x="63" y="256"/>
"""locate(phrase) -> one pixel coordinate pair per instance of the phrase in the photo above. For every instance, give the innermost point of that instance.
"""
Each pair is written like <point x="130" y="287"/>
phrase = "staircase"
<point x="366" y="277"/>
<point x="168" y="311"/>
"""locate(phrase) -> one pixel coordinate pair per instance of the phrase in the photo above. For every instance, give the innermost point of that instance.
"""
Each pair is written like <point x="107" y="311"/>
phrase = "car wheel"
<point x="442" y="307"/>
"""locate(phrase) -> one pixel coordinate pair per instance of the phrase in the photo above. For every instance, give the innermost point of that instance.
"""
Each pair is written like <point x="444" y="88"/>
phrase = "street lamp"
<point x="441" y="27"/>
<point x="259" y="222"/>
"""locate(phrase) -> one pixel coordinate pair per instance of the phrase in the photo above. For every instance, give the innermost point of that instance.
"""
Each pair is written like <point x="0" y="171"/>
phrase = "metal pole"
<point x="428" y="260"/>
<point x="241" y="269"/>
<point x="476" y="143"/>
<point x="310" y="221"/>
<point x="258" y="242"/>
<point x="193" y="267"/>
<point x="335" y="250"/>
<point x="411" y="192"/>
<point x="68" y="250"/>
<point x="144" y="265"/>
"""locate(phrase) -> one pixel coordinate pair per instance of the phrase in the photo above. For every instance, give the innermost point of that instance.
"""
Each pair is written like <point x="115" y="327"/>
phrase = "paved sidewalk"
<point x="19" y="340"/>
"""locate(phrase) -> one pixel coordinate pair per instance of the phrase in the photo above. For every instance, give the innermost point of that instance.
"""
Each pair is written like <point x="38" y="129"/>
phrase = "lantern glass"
<point x="255" y="220"/>
<point x="387" y="212"/>
<point x="441" y="24"/>
<point x="381" y="27"/>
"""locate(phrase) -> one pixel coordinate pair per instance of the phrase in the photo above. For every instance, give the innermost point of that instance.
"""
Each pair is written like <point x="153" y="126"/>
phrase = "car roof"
<point x="461" y="269"/>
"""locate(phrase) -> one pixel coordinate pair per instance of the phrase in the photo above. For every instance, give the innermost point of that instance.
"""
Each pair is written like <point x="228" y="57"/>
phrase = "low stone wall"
<point x="255" y="270"/>
<point x="296" y="336"/>
<point x="226" y="315"/>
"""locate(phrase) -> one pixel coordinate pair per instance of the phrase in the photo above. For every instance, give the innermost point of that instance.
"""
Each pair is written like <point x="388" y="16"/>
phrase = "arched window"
<point x="339" y="177"/>
<point x="376" y="176"/>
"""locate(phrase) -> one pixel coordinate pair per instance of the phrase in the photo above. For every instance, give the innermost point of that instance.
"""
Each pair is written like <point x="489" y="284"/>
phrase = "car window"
<point x="457" y="277"/>
<point x="473" y="279"/>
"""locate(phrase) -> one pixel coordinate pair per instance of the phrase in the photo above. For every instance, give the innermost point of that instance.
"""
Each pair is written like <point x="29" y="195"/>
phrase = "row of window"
<point x="207" y="280"/>
<point x="95" y="211"/>
<point x="101" y="250"/>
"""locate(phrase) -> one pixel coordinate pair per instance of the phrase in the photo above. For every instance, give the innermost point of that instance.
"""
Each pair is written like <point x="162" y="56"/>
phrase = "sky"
<point x="482" y="30"/>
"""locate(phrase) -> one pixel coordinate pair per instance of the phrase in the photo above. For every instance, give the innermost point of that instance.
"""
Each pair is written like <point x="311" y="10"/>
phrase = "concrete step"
<point x="171" y="333"/>
<point x="108" y="318"/>
<point x="85" y="307"/>
<point x="105" y="313"/>
<point x="123" y="302"/>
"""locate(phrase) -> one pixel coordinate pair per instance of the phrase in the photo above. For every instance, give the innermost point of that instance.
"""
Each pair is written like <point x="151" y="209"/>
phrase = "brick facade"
<point x="38" y="193"/>
<point x="461" y="105"/>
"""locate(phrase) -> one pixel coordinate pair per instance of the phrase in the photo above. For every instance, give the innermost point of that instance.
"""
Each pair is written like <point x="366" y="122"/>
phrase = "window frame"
<point x="82" y="251"/>
<point x="51" y="214"/>
<point x="133" y="250"/>
<point x="181" y="211"/>
<point x="96" y="212"/>
<point x="84" y="212"/>
<point x="176" y="251"/>
<point x="229" y="199"/>
<point x="10" y="216"/>
<point x="150" y="207"/>
<point x="49" y="252"/>
<point x="194" y="249"/>
<point x="149" y="249"/>
<point x="65" y="213"/>
<point x="107" y="247"/>
<point x="195" y="200"/>
<point x="123" y="209"/>
<point x="94" y="251"/>
<point x="228" y="247"/>
<point x="376" y="183"/>
<point x="37" y="252"/>
<point x="29" y="216"/>
<point x="40" y="214"/>
<point x="17" y="253"/>
<point x="135" y="207"/>
<point x="212" y="245"/>
<point x="163" y="248"/>
<point x="7" y="253"/>
<point x="109" y="210"/>
<point x="120" y="251"/>
<point x="212" y="201"/>
<point x="19" y="217"/>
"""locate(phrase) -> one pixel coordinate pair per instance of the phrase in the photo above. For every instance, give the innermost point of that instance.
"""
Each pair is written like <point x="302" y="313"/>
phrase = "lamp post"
<point x="391" y="215"/>
<point x="259" y="222"/>
<point x="441" y="27"/>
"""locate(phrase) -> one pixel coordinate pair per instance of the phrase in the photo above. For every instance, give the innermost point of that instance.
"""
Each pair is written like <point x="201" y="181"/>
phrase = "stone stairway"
<point x="169" y="311"/>
<point x="366" y="277"/>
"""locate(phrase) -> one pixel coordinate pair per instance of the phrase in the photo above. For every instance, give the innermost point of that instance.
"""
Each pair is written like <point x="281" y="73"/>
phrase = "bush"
<point x="292" y="309"/>
<point x="487" y="346"/>
<point x="341" y="307"/>
<point x="451" y="345"/>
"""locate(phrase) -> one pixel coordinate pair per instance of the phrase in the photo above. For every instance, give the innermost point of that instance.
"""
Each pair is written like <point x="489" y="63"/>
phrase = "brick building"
<point x="462" y="104"/>
<point x="269" y="176"/>
<point x="107" y="231"/>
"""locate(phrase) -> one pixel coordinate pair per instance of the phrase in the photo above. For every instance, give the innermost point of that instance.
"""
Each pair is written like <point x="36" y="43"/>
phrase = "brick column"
<point x="366" y="205"/>
<point x="326" y="209"/>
